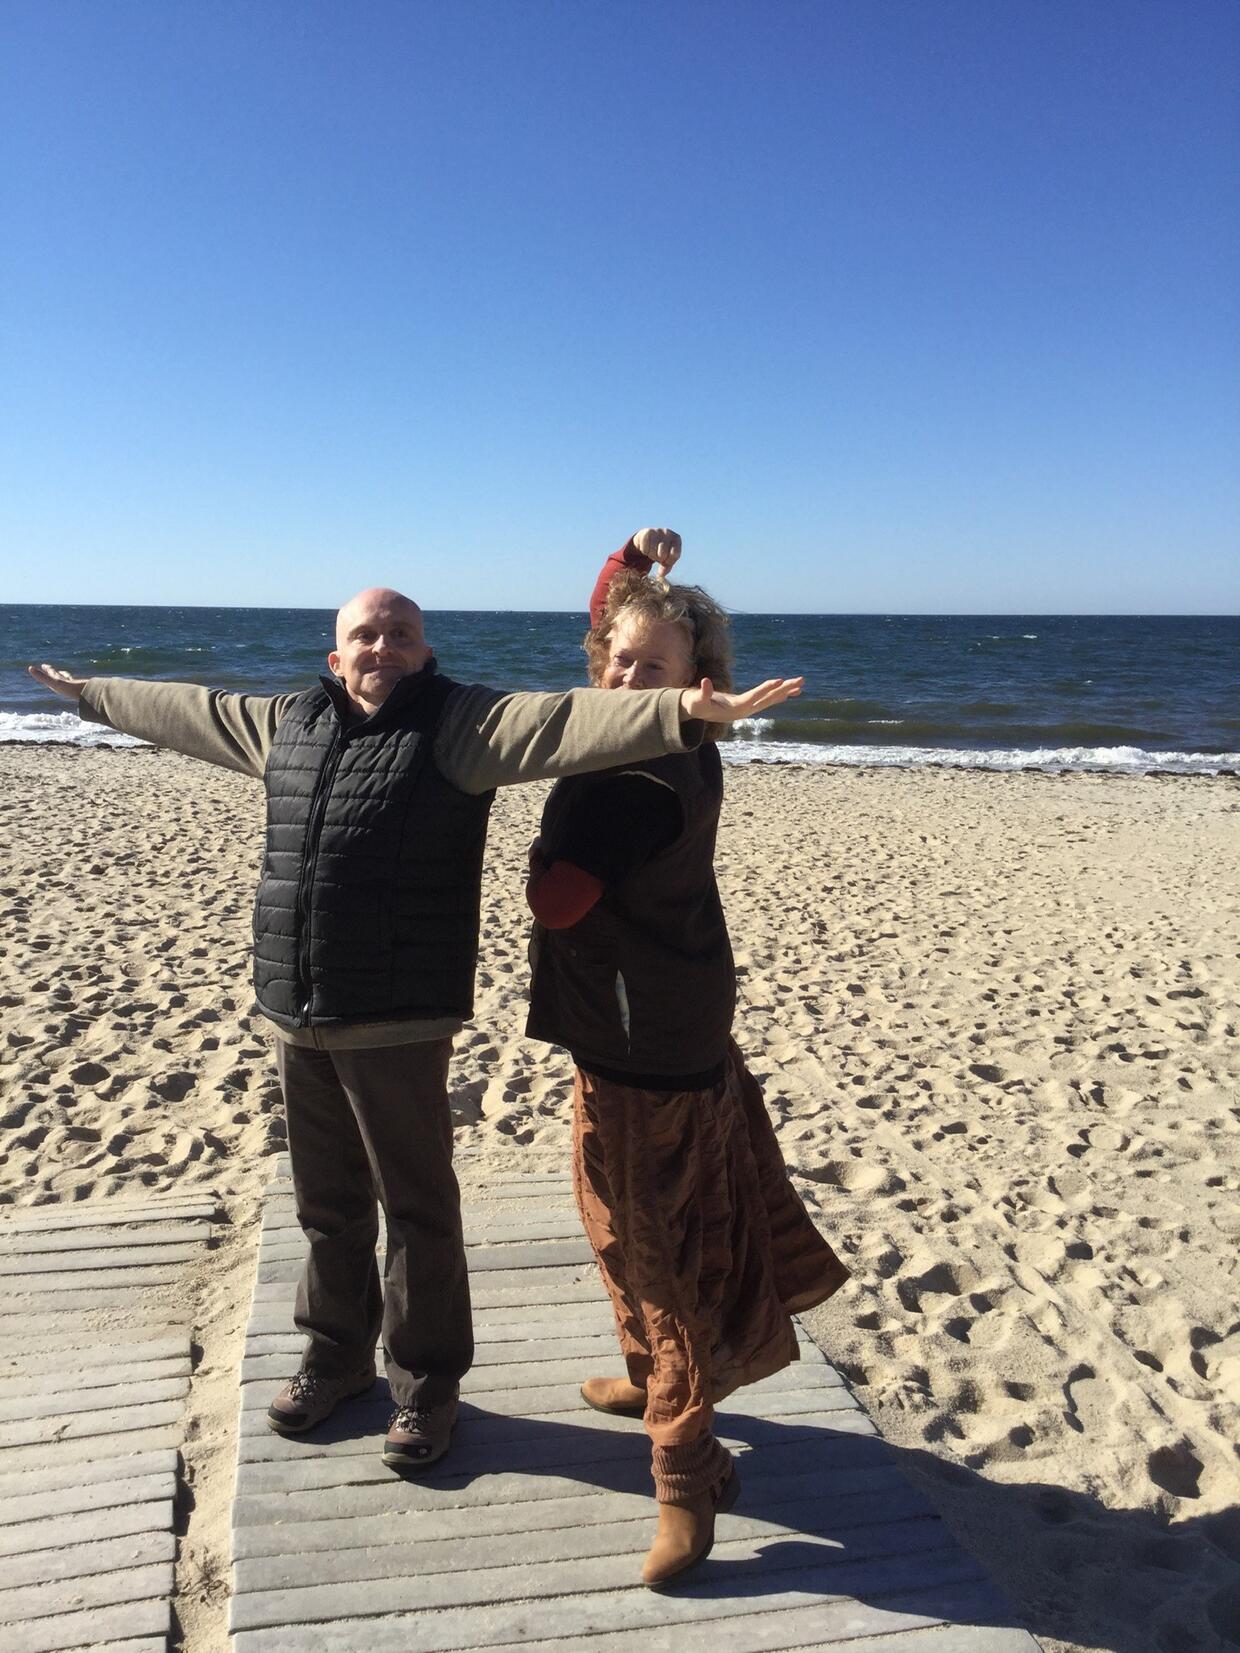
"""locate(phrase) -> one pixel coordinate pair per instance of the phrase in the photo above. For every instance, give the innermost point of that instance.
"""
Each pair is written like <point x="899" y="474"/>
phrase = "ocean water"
<point x="1102" y="693"/>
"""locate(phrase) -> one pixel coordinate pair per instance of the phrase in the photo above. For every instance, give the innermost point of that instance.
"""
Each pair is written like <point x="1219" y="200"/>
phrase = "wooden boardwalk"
<point x="94" y="1374"/>
<point x="531" y="1532"/>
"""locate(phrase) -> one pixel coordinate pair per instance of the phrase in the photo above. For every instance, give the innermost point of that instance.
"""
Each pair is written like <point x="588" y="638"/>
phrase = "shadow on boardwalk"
<point x="848" y="1509"/>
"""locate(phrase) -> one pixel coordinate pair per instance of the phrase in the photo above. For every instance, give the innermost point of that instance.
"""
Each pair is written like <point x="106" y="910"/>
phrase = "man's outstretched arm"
<point x="488" y="739"/>
<point x="232" y="730"/>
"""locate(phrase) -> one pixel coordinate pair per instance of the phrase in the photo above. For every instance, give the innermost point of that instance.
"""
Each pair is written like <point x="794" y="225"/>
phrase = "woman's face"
<point x="648" y="654"/>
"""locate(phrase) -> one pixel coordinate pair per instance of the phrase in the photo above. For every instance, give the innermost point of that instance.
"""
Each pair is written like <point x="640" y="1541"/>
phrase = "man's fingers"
<point x="61" y="683"/>
<point x="773" y="691"/>
<point x="728" y="708"/>
<point x="781" y="689"/>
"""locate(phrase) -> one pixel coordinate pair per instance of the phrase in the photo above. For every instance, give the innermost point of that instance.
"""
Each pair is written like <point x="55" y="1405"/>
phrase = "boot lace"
<point x="414" y="1419"/>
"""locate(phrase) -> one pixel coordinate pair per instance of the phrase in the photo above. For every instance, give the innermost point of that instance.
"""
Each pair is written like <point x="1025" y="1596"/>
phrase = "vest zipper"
<point x="309" y="865"/>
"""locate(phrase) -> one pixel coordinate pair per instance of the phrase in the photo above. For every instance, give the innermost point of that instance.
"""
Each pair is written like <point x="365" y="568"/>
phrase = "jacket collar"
<point x="405" y="691"/>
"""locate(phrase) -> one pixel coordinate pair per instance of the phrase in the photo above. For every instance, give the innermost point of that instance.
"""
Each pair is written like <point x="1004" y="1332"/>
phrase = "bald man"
<point x="379" y="783"/>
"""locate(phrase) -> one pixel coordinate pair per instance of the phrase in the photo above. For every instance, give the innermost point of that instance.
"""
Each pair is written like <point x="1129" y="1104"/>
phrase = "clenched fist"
<point x="661" y="545"/>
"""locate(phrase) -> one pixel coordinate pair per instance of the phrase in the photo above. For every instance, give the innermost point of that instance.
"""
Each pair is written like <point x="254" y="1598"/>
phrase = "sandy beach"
<point x="995" y="1017"/>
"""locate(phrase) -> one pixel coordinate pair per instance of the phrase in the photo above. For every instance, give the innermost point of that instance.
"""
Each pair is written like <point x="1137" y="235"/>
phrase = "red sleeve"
<point x="562" y="895"/>
<point x="628" y="556"/>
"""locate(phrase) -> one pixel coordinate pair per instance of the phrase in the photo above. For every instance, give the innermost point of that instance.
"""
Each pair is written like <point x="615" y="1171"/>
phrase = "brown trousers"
<point x="705" y="1249"/>
<point x="370" y="1128"/>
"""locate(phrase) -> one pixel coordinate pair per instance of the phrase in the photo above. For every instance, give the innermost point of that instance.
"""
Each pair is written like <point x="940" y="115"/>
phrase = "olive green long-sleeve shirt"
<point x="485" y="739"/>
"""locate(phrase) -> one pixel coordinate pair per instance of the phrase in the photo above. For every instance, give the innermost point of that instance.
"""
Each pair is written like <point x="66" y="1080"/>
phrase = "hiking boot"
<point x="686" y="1534"/>
<point x="312" y="1396"/>
<point x="614" y="1395"/>
<point x="418" y="1436"/>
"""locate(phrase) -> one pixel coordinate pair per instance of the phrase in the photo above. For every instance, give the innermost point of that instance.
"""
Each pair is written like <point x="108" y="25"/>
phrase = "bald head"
<point x="379" y="640"/>
<point x="376" y="602"/>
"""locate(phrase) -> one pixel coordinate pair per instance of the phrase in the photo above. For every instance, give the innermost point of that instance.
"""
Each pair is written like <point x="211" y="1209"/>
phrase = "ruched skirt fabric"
<point x="705" y="1249"/>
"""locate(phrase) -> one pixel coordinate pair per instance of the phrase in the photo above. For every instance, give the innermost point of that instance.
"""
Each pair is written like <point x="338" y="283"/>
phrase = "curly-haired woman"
<point x="704" y="1246"/>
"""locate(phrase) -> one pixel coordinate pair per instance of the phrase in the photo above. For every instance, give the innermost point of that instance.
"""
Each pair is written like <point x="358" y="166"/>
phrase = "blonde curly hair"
<point x="704" y="623"/>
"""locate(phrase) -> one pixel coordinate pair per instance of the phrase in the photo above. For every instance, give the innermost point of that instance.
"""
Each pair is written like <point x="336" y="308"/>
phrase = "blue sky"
<point x="897" y="305"/>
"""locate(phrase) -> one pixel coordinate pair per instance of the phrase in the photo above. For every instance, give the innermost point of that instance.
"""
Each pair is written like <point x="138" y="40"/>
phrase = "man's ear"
<point x="333" y="663"/>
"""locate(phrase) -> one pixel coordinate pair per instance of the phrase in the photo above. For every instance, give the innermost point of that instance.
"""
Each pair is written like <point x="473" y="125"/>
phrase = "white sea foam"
<point x="66" y="728"/>
<point x="61" y="729"/>
<point x="1113" y="760"/>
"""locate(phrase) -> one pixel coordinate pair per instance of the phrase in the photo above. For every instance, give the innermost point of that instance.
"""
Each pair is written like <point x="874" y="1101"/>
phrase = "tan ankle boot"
<point x="614" y="1395"/>
<point x="686" y="1534"/>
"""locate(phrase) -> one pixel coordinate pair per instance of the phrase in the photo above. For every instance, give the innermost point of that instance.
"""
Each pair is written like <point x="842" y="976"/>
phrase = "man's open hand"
<point x="661" y="545"/>
<point x="712" y="706"/>
<point x="61" y="683"/>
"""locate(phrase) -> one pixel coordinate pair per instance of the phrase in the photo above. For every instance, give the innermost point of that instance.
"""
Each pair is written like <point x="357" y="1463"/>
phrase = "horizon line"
<point x="756" y="613"/>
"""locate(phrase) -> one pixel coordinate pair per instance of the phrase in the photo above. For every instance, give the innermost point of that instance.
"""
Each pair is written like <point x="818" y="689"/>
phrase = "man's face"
<point x="378" y="641"/>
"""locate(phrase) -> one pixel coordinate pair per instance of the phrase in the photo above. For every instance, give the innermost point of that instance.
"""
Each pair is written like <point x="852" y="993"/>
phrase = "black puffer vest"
<point x="367" y="910"/>
<point x="644" y="983"/>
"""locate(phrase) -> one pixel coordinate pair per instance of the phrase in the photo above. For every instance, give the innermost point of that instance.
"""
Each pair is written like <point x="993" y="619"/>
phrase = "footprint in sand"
<point x="946" y="1279"/>
<point x="1201" y="1338"/>
<point x="877" y="1256"/>
<point x="1074" y="1395"/>
<point x="82" y="1133"/>
<point x="1176" y="1469"/>
<point x="856" y="1177"/>
<point x="184" y="1150"/>
<point x="15" y="1117"/>
<point x="508" y="1127"/>
<point x="174" y="1087"/>
<point x="89" y="1073"/>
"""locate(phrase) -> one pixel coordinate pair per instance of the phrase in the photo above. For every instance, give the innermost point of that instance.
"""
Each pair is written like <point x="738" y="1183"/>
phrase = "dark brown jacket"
<point x="644" y="983"/>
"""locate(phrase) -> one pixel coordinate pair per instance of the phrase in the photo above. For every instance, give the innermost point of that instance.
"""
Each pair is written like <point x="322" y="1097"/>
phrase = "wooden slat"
<point x="530" y="1532"/>
<point x="94" y="1374"/>
<point x="109" y="1258"/>
<point x="45" y="1218"/>
<point x="30" y="1243"/>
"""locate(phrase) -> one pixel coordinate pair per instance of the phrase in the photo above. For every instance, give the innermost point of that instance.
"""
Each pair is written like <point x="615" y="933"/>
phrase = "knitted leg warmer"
<point x="682" y="1473"/>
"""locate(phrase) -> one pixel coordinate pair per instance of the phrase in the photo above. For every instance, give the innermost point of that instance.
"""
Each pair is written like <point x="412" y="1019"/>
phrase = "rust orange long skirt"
<point x="704" y="1245"/>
